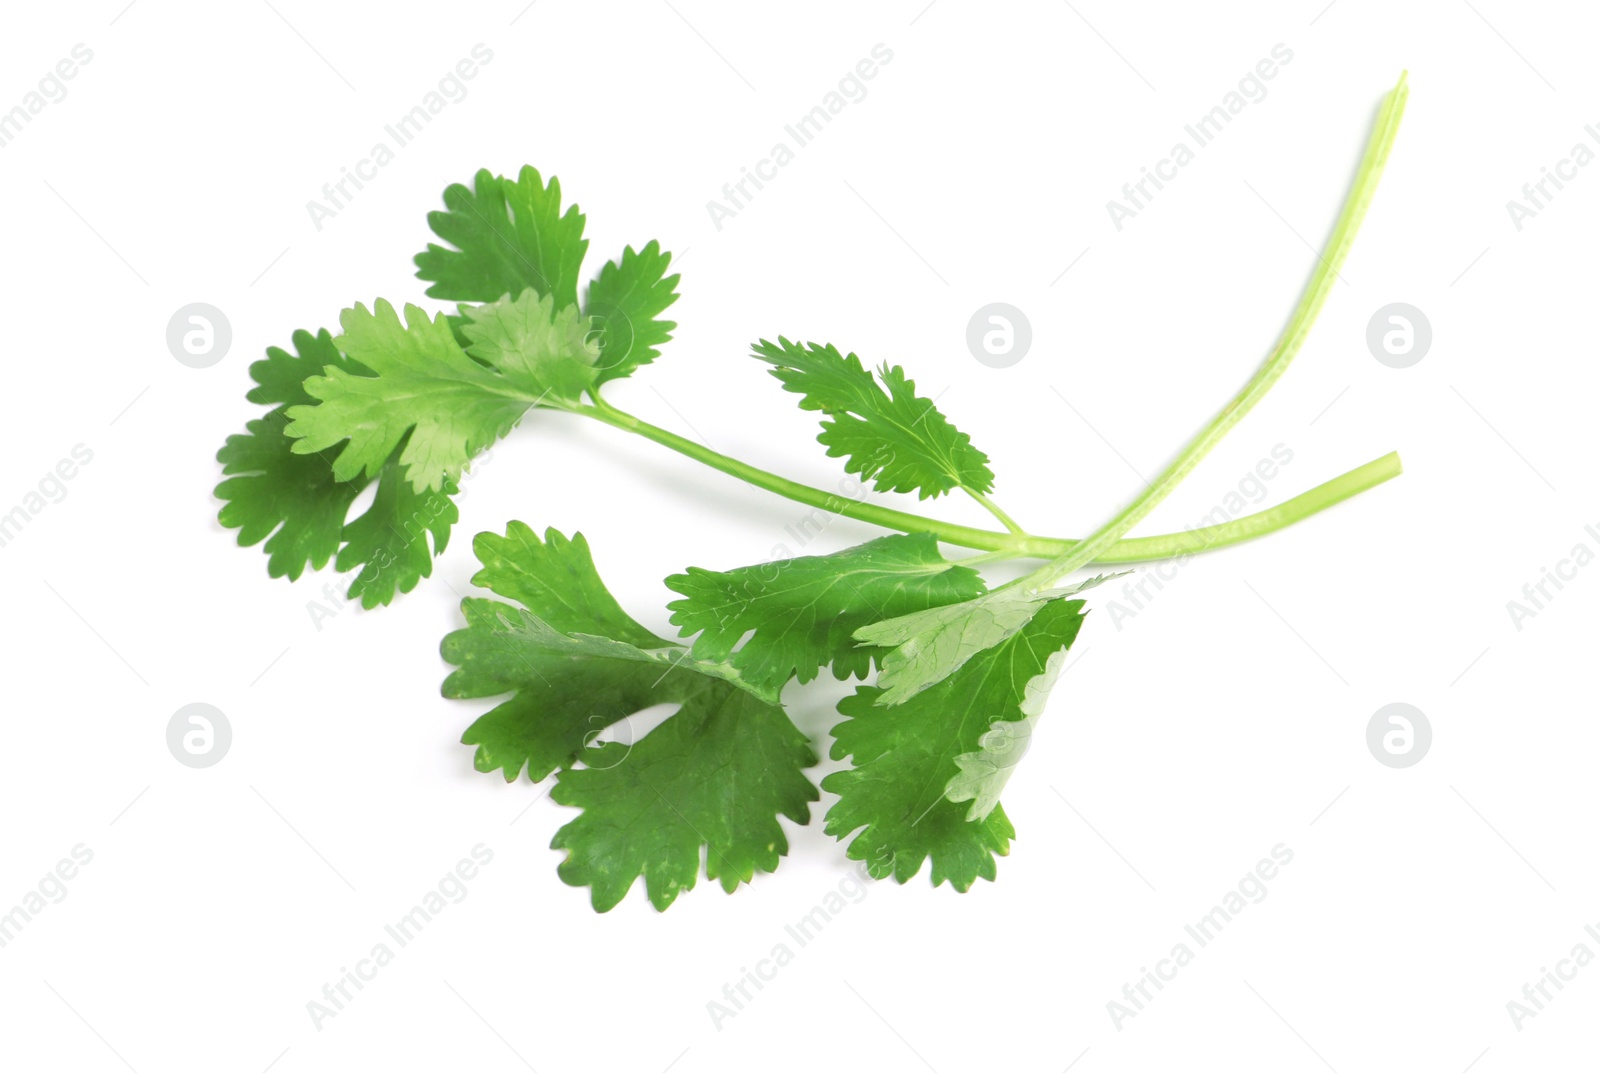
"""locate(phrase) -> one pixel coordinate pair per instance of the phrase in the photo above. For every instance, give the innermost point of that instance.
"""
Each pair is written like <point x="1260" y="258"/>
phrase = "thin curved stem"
<point x="1294" y="333"/>
<point x="1013" y="545"/>
<point x="994" y="508"/>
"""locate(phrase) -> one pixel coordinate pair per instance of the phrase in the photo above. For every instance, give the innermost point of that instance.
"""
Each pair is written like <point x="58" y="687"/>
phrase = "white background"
<point x="1223" y="719"/>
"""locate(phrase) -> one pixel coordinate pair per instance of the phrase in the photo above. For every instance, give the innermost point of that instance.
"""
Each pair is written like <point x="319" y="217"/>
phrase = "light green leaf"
<point x="540" y="348"/>
<point x="421" y="383"/>
<point x="929" y="646"/>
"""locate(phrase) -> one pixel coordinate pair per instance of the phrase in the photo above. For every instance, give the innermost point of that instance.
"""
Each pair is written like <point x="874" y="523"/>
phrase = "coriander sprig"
<point x="960" y="673"/>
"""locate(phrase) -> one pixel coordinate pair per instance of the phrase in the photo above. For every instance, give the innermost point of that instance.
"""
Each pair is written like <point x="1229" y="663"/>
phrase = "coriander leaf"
<point x="565" y="690"/>
<point x="527" y="339"/>
<point x="421" y="382"/>
<point x="716" y="773"/>
<point x="292" y="501"/>
<point x="556" y="579"/>
<point x="889" y="434"/>
<point x="508" y="237"/>
<point x="929" y="646"/>
<point x="624" y="306"/>
<point x="985" y="772"/>
<point x="566" y="687"/>
<point x="905" y="758"/>
<point x="280" y="378"/>
<point x="803" y="611"/>
<point x="389" y="541"/>
<point x="297" y="499"/>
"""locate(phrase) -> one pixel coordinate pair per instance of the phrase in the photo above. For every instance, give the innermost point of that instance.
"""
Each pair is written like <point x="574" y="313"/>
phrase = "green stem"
<point x="1304" y="505"/>
<point x="1020" y="546"/>
<point x="994" y="508"/>
<point x="1316" y="292"/>
<point x="985" y="557"/>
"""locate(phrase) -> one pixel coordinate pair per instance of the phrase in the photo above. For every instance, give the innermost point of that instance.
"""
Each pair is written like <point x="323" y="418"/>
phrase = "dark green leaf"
<point x="888" y="434"/>
<point x="905" y="757"/>
<point x="804" y="611"/>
